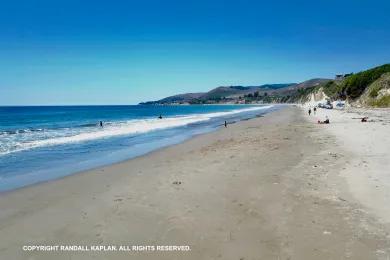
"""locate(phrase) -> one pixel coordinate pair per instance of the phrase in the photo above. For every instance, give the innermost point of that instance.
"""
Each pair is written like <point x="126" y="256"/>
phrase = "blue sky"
<point x="123" y="52"/>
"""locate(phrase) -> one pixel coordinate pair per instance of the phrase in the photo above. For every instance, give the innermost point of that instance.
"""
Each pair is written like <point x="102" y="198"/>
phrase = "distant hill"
<point x="220" y="93"/>
<point x="188" y="97"/>
<point x="291" y="90"/>
<point x="365" y="88"/>
<point x="311" y="83"/>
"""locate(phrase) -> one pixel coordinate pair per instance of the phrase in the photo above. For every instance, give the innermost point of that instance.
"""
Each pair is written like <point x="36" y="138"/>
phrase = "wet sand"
<point x="273" y="187"/>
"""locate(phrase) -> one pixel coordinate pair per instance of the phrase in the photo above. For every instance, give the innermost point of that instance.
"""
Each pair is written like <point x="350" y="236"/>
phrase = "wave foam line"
<point x="124" y="128"/>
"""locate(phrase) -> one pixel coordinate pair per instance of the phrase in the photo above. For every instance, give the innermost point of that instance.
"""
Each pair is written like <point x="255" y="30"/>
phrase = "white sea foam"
<point x="29" y="140"/>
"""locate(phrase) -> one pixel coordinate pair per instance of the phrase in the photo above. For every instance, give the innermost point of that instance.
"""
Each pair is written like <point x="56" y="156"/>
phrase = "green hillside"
<point x="353" y="87"/>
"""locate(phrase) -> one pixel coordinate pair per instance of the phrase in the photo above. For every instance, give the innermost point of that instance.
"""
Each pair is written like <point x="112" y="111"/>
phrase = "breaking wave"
<point x="25" y="139"/>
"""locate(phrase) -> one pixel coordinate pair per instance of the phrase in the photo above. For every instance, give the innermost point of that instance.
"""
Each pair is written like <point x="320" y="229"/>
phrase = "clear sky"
<point x="123" y="52"/>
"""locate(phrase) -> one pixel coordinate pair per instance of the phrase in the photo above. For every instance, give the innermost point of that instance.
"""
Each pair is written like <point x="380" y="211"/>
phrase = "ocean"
<point x="43" y="143"/>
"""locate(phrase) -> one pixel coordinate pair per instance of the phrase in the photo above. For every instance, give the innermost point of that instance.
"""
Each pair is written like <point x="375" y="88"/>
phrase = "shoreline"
<point x="275" y="107"/>
<point x="270" y="187"/>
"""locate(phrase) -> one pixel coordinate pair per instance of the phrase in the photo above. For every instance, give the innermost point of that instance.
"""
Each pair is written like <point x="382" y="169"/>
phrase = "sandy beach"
<point x="274" y="187"/>
<point x="367" y="145"/>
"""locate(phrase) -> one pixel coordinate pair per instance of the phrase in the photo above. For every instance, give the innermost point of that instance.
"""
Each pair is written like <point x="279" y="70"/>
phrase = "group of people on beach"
<point x="326" y="121"/>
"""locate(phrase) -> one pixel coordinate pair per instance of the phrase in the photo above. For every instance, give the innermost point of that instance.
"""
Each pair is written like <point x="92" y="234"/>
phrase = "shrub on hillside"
<point x="381" y="102"/>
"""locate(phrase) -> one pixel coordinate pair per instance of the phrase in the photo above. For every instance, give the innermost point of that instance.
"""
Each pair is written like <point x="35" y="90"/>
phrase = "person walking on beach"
<point x="225" y="124"/>
<point x="314" y="110"/>
<point x="101" y="123"/>
<point x="309" y="111"/>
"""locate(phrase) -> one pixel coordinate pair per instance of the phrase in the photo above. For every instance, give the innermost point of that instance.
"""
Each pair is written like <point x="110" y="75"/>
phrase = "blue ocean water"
<point x="43" y="143"/>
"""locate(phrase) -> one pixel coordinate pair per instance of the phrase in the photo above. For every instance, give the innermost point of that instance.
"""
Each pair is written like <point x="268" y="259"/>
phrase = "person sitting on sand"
<point x="364" y="119"/>
<point x="326" y="121"/>
<point x="160" y="117"/>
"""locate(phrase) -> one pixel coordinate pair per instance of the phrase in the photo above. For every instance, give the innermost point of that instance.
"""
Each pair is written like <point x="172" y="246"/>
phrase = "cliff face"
<point x="317" y="96"/>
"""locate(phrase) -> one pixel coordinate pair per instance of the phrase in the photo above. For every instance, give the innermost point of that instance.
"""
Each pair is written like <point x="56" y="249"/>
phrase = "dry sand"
<point x="367" y="170"/>
<point x="277" y="187"/>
